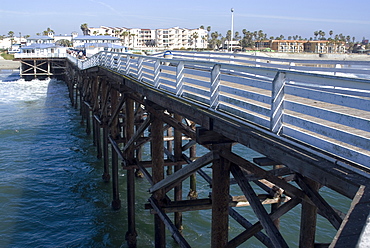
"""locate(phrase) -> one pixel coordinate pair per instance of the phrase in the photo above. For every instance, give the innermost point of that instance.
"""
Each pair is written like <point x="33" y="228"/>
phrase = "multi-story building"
<point x="171" y="38"/>
<point x="325" y="46"/>
<point x="286" y="46"/>
<point x="299" y="46"/>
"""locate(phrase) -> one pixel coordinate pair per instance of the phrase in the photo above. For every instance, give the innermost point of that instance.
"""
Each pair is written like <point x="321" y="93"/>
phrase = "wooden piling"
<point x="131" y="233"/>
<point x="178" y="166"/>
<point x="157" y="151"/>
<point x="308" y="220"/>
<point x="116" y="202"/>
<point x="220" y="197"/>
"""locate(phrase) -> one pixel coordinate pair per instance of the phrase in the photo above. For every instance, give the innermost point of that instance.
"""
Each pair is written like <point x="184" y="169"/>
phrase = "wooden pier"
<point x="42" y="67"/>
<point x="126" y="108"/>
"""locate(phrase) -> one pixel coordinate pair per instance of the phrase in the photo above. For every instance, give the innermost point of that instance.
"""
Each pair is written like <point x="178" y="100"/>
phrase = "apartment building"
<point x="299" y="46"/>
<point x="325" y="46"/>
<point x="169" y="38"/>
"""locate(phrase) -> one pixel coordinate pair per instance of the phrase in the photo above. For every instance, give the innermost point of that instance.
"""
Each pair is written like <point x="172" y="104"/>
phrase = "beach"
<point x="9" y="64"/>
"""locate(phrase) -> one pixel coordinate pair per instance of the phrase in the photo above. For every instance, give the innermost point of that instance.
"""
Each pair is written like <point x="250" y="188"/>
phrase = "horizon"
<point x="285" y="18"/>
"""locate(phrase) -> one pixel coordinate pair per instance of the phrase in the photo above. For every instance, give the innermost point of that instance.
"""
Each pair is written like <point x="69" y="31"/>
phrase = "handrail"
<point x="330" y="113"/>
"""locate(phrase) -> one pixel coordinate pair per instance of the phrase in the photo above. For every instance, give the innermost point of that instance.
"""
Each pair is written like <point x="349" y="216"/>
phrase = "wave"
<point x="22" y="90"/>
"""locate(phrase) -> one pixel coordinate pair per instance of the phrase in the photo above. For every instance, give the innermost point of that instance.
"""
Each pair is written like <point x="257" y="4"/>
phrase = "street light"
<point x="232" y="28"/>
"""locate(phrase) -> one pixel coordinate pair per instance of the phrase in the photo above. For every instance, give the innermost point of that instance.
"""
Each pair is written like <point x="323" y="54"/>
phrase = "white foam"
<point x="22" y="90"/>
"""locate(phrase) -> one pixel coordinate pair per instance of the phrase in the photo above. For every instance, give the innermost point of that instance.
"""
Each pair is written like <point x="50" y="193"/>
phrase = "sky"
<point x="275" y="18"/>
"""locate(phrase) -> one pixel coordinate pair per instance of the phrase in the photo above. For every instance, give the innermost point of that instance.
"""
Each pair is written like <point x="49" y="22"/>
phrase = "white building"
<point x="81" y="40"/>
<point x="167" y="38"/>
<point x="93" y="48"/>
<point x="41" y="50"/>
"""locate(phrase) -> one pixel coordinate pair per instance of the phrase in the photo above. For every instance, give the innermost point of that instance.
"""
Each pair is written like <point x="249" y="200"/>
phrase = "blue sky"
<point x="284" y="17"/>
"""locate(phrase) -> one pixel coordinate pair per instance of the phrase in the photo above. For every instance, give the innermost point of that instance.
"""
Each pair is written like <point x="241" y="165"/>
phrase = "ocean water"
<point x="51" y="191"/>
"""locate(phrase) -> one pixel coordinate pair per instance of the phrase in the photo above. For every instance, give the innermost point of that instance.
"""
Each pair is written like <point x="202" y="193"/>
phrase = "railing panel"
<point x="354" y="154"/>
<point x="319" y="95"/>
<point x="328" y="115"/>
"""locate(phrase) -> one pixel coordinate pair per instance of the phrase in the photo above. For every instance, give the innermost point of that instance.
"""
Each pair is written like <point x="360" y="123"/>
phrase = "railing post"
<point x="277" y="103"/>
<point x="215" y="85"/>
<point x="140" y="68"/>
<point x="157" y="71"/>
<point x="179" y="78"/>
<point x="128" y="63"/>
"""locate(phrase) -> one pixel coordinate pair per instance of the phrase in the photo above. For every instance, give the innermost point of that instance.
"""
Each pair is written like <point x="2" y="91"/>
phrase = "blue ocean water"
<point x="51" y="191"/>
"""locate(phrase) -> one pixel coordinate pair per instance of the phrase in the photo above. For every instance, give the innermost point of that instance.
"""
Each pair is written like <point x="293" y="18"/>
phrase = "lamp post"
<point x="232" y="28"/>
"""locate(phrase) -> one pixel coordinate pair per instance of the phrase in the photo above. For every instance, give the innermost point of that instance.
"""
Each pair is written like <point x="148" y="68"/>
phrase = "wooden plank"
<point x="258" y="209"/>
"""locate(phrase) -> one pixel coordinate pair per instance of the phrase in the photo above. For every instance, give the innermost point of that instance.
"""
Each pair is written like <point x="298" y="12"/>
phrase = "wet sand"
<point x="9" y="64"/>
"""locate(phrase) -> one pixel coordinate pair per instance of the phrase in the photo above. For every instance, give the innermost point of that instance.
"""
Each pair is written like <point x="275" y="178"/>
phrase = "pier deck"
<point x="310" y="129"/>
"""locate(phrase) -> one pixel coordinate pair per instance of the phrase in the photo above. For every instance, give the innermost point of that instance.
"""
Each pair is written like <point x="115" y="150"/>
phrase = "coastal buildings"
<point x="167" y="38"/>
<point x="300" y="46"/>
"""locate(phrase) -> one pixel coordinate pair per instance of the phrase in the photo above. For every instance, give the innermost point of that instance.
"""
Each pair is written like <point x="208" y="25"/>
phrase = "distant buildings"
<point x="299" y="46"/>
<point x="166" y="38"/>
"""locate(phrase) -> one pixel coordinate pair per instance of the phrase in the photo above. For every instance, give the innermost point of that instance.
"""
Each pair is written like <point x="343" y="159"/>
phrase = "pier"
<point x="312" y="131"/>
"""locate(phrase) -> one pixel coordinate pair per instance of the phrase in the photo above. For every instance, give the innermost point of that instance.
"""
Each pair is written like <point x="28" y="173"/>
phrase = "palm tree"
<point x="208" y="30"/>
<point x="316" y="33"/>
<point x="133" y="40"/>
<point x="11" y="35"/>
<point x="125" y="34"/>
<point x="331" y="33"/>
<point x="47" y="31"/>
<point x="85" y="29"/>
<point x="195" y="36"/>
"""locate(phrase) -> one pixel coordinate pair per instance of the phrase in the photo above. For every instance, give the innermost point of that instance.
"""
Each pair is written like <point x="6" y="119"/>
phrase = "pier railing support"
<point x="277" y="103"/>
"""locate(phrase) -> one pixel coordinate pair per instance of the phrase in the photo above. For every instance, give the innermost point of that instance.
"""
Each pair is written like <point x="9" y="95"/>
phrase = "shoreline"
<point x="9" y="64"/>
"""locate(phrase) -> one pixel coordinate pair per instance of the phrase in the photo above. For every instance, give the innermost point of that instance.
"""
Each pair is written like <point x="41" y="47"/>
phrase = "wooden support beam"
<point x="308" y="220"/>
<point x="138" y="133"/>
<point x="205" y="136"/>
<point x="258" y="209"/>
<point x="177" y="157"/>
<point x="246" y="224"/>
<point x="220" y="197"/>
<point x="204" y="204"/>
<point x="157" y="149"/>
<point x="264" y="161"/>
<point x="116" y="203"/>
<point x="289" y="189"/>
<point x="131" y="233"/>
<point x="183" y="173"/>
<point x="173" y="229"/>
<point x="325" y="209"/>
<point x="248" y="233"/>
<point x="352" y="228"/>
